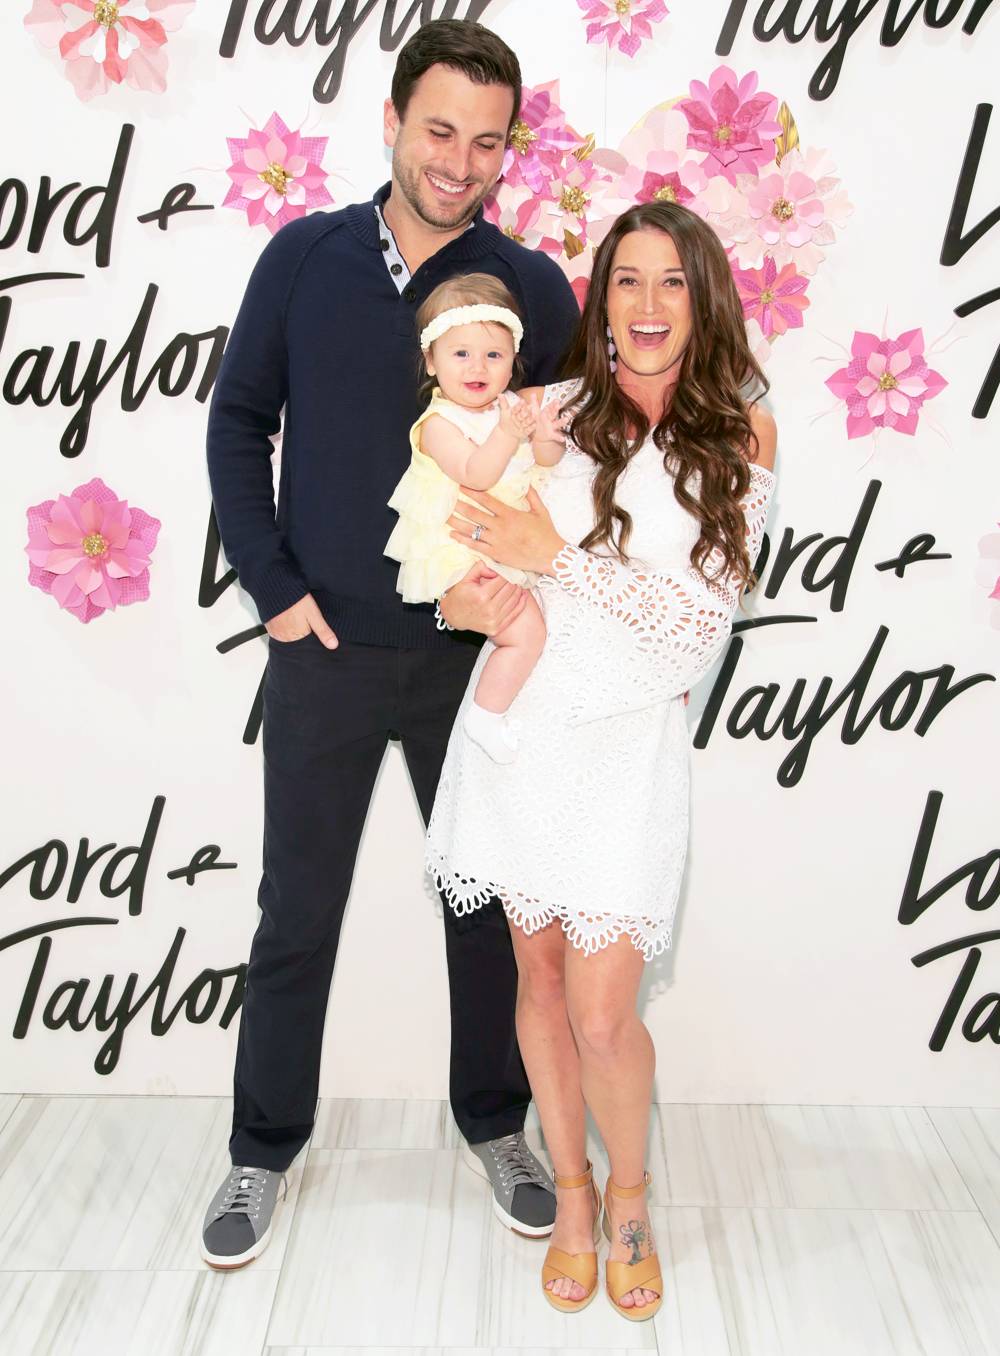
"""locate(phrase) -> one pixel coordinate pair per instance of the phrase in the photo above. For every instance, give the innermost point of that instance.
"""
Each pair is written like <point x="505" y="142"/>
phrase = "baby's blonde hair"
<point x="467" y="289"/>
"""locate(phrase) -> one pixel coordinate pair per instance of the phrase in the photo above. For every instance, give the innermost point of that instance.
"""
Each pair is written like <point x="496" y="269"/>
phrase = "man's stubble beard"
<point x="409" y="183"/>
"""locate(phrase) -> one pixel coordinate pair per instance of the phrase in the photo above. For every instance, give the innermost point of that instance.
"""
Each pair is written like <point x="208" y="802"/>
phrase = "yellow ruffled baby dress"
<point x="425" y="498"/>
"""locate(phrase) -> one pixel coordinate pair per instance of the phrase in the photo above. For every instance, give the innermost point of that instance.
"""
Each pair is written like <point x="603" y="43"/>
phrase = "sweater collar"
<point x="474" y="243"/>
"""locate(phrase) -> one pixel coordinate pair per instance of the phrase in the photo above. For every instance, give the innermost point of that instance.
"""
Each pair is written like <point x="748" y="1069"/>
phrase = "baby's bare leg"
<point x="518" y="647"/>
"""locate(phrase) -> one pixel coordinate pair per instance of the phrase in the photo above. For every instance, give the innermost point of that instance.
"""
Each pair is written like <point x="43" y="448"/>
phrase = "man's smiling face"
<point x="448" y="151"/>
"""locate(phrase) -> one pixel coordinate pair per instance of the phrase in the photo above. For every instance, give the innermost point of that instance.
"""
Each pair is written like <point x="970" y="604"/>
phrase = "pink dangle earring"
<point x="612" y="351"/>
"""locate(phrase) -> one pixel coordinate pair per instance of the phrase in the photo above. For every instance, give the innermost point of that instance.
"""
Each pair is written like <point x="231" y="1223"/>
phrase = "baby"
<point x="475" y="432"/>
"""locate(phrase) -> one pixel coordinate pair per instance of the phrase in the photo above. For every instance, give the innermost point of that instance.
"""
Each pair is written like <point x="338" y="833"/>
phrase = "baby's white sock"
<point x="492" y="732"/>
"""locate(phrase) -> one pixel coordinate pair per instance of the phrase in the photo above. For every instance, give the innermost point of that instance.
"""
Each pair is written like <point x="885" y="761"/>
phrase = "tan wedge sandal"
<point x="577" y="1266"/>
<point x="625" y="1276"/>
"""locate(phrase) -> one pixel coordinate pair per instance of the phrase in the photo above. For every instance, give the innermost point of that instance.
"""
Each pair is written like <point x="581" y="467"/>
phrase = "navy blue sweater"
<point x="325" y="348"/>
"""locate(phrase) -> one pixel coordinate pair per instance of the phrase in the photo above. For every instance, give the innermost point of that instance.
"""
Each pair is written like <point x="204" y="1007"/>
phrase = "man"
<point x="326" y="334"/>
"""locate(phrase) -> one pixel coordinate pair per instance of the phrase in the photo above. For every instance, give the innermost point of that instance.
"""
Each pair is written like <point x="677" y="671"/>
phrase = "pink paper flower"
<point x="277" y="174"/>
<point x="624" y="24"/>
<point x="516" y="211"/>
<point x="540" y="139"/>
<point x="775" y="300"/>
<point x="654" y="162"/>
<point x="106" y="42"/>
<point x="581" y="286"/>
<point x="576" y="203"/>
<point x="735" y="126"/>
<point x="90" y="550"/>
<point x="988" y="572"/>
<point x="789" y="212"/>
<point x="885" y="383"/>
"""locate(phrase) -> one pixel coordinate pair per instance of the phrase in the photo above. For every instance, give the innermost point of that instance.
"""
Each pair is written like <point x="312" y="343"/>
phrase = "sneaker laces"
<point x="244" y="1191"/>
<point x="518" y="1166"/>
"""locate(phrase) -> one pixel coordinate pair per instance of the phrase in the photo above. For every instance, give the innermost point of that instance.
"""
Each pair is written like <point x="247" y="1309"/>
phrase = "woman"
<point x="664" y="483"/>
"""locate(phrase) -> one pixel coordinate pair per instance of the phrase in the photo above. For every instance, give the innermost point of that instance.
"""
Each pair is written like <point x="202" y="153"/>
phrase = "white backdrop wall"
<point x="792" y="976"/>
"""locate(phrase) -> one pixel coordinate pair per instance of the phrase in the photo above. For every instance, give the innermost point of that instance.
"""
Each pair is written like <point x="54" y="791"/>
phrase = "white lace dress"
<point x="589" y="824"/>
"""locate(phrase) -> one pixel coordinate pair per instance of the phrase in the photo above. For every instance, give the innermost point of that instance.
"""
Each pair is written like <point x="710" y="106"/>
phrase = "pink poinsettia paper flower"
<point x="885" y="383"/>
<point x="625" y="24"/>
<point x="734" y="125"/>
<point x="277" y="174"/>
<point x="775" y="300"/>
<point x="516" y="211"/>
<point x="540" y="139"/>
<point x="108" y="42"/>
<point x="90" y="550"/>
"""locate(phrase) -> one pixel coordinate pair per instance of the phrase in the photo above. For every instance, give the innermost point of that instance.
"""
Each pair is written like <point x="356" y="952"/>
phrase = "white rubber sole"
<point x="241" y="1259"/>
<point x="515" y="1225"/>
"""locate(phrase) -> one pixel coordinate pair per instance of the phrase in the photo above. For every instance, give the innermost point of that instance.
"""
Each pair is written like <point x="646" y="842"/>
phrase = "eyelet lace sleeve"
<point x="666" y="630"/>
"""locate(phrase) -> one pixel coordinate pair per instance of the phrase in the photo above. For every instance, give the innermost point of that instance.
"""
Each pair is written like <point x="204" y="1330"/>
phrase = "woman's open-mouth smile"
<point x="648" y="335"/>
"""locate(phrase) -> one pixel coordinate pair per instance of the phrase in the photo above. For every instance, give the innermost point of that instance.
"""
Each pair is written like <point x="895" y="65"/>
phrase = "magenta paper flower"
<point x="108" y="42"/>
<point x="277" y="174"/>
<point x="90" y="550"/>
<point x="775" y="300"/>
<point x="733" y="125"/>
<point x="540" y="139"/>
<point x="885" y="383"/>
<point x="516" y="211"/>
<point x="624" y="24"/>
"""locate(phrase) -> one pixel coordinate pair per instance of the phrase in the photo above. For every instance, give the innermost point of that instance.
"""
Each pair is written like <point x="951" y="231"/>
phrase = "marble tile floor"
<point x="788" y="1230"/>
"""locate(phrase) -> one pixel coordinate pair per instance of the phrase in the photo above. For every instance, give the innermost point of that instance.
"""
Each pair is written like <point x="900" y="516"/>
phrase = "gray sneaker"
<point x="237" y="1225"/>
<point x="523" y="1195"/>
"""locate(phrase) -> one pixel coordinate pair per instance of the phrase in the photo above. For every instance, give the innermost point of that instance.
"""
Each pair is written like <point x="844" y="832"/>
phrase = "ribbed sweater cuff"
<point x="276" y="589"/>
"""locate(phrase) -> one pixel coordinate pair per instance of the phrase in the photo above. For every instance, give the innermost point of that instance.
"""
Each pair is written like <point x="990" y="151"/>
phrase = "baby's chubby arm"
<point x="478" y="465"/>
<point x="549" y="440"/>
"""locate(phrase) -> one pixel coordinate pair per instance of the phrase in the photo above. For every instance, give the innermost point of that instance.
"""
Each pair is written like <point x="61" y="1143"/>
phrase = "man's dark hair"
<point x="464" y="46"/>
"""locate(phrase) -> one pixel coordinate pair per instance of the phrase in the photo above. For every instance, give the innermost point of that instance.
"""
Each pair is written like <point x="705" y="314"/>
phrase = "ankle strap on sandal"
<point x="581" y="1179"/>
<point x="616" y="1190"/>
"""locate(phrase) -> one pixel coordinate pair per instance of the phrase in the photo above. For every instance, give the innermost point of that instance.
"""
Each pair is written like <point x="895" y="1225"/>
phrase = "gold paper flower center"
<point x="887" y="382"/>
<point x="622" y="7"/>
<point x="95" y="545"/>
<point x="106" y="13"/>
<point x="573" y="200"/>
<point x="723" y="133"/>
<point x="666" y="193"/>
<point x="521" y="137"/>
<point x="277" y="177"/>
<point x="782" y="209"/>
<point x="509" y="230"/>
<point x="767" y="296"/>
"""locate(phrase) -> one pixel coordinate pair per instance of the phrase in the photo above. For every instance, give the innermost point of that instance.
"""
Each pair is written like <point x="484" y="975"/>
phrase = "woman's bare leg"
<point x="617" y="1061"/>
<point x="551" y="1060"/>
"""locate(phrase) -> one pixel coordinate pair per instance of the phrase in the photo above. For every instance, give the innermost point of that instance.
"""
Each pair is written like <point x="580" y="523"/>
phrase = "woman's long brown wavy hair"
<point x="705" y="432"/>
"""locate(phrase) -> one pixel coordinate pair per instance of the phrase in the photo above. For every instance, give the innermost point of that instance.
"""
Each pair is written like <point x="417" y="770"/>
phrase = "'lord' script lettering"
<point x="111" y="1004"/>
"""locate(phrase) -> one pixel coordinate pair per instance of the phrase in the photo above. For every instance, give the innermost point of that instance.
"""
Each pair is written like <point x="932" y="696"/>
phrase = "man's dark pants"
<point x="328" y="716"/>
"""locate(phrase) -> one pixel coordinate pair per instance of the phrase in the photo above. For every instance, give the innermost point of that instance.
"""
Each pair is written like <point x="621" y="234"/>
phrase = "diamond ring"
<point x="477" y="532"/>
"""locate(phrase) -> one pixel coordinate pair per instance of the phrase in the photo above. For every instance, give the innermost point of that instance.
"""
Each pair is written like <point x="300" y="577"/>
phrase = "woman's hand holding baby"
<point x="526" y="540"/>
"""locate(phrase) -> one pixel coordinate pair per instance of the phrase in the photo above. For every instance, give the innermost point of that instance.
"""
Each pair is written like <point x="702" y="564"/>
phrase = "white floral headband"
<point x="468" y="315"/>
